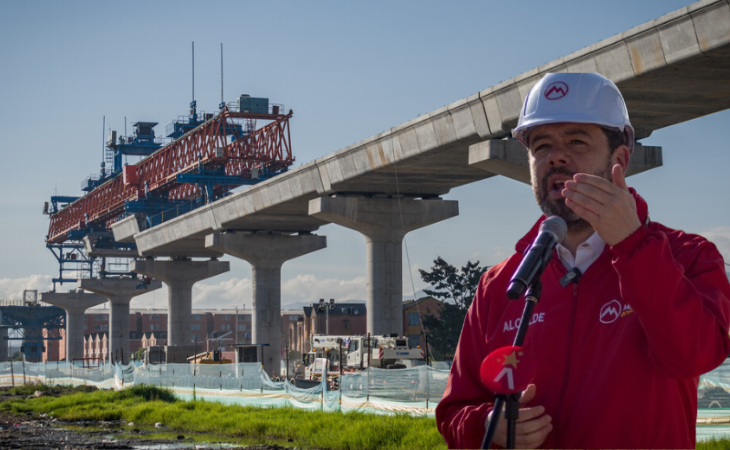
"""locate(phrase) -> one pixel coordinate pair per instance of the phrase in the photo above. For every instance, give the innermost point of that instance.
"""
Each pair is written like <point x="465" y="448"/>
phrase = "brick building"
<point x="413" y="312"/>
<point x="148" y="327"/>
<point x="347" y="318"/>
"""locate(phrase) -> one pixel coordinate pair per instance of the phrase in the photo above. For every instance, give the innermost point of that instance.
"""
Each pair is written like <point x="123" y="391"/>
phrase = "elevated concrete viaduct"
<point x="670" y="70"/>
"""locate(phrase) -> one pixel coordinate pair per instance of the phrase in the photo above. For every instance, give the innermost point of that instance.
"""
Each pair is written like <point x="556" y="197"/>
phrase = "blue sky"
<point x="348" y="70"/>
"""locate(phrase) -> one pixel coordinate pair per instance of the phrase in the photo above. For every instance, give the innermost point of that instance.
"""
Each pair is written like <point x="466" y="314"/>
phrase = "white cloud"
<point x="12" y="288"/>
<point x="226" y="294"/>
<point x="237" y="292"/>
<point x="308" y="289"/>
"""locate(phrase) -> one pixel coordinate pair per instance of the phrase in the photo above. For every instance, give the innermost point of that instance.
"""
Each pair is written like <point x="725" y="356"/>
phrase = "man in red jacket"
<point x="620" y="348"/>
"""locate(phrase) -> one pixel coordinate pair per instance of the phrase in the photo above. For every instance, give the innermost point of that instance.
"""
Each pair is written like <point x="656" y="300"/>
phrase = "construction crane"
<point x="207" y="156"/>
<point x="196" y="168"/>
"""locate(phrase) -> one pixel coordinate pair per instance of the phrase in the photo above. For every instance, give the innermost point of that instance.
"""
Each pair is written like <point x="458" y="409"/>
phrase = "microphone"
<point x="552" y="232"/>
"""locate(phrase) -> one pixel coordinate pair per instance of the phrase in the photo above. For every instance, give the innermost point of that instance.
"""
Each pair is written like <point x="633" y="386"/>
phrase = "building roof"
<point x="411" y="303"/>
<point x="342" y="309"/>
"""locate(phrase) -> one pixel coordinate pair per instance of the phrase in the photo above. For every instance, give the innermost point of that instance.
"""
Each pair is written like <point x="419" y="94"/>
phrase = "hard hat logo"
<point x="556" y="91"/>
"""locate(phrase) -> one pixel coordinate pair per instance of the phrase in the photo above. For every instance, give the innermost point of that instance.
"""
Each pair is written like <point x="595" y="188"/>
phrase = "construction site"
<point x="174" y="208"/>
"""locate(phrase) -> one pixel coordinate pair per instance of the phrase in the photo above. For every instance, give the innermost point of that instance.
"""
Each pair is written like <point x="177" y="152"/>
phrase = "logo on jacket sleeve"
<point x="611" y="311"/>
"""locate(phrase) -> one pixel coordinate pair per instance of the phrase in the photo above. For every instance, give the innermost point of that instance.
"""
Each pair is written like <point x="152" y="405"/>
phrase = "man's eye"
<point x="540" y="148"/>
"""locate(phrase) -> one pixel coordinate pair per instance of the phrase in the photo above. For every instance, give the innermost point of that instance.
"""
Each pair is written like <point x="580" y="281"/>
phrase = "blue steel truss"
<point x="33" y="325"/>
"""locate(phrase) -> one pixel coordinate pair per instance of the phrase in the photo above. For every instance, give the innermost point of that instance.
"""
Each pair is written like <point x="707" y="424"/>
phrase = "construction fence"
<point x="414" y="391"/>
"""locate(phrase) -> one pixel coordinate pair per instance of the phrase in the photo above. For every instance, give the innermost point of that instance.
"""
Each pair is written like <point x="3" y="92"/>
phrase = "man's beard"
<point x="558" y="207"/>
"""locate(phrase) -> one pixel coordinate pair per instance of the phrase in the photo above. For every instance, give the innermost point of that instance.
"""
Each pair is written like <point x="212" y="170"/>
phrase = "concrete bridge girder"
<point x="508" y="157"/>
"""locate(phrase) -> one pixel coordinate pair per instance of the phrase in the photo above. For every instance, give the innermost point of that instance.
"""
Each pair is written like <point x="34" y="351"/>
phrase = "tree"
<point x="456" y="289"/>
<point x="139" y="354"/>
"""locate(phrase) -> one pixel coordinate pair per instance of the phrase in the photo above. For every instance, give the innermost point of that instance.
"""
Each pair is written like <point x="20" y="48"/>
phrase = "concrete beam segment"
<point x="179" y="276"/>
<point x="509" y="158"/>
<point x="119" y="292"/>
<point x="712" y="25"/>
<point x="384" y="223"/>
<point x="125" y="229"/>
<point x="91" y="248"/>
<point x="266" y="253"/>
<point x="277" y="204"/>
<point x="75" y="304"/>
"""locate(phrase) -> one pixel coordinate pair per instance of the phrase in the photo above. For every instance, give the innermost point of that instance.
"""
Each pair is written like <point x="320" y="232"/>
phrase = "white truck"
<point x="325" y="352"/>
<point x="358" y="353"/>
<point x="386" y="352"/>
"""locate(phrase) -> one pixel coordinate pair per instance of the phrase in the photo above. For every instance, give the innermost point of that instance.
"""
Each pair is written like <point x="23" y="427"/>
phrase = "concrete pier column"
<point x="75" y="304"/>
<point x="266" y="253"/>
<point x="384" y="222"/>
<point x="119" y="292"/>
<point x="179" y="275"/>
<point x="3" y="344"/>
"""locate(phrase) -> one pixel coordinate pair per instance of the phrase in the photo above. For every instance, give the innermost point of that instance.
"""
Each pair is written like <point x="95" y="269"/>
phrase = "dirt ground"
<point x="40" y="432"/>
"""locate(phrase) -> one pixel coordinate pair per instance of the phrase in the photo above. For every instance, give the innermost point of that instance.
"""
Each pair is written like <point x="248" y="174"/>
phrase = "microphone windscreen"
<point x="556" y="226"/>
<point x="507" y="370"/>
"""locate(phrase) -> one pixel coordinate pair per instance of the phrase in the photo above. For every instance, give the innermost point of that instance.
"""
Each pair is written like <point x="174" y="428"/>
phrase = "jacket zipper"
<point x="569" y="355"/>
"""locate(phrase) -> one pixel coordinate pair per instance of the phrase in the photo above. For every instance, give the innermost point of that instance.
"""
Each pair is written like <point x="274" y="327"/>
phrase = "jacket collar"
<point x="641" y="208"/>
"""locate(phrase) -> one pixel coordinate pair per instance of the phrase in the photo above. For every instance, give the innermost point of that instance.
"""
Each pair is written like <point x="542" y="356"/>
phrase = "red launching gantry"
<point x="209" y="156"/>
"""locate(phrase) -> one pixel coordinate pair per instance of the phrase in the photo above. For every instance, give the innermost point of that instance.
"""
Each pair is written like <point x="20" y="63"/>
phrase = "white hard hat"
<point x="574" y="97"/>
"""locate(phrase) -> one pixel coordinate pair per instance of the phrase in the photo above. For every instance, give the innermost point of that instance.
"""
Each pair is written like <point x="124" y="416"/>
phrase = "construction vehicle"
<point x="385" y="352"/>
<point x="358" y="353"/>
<point x="325" y="353"/>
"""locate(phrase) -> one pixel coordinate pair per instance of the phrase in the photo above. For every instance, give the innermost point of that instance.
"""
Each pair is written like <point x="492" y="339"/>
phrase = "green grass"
<point x="146" y="405"/>
<point x="214" y="422"/>
<point x="714" y="444"/>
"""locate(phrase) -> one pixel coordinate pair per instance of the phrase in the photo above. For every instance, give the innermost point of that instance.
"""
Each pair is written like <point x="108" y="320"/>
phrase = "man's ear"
<point x="621" y="156"/>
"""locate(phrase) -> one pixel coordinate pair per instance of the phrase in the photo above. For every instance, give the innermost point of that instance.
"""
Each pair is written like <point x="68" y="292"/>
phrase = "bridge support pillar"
<point x="179" y="274"/>
<point x="3" y="344"/>
<point x="75" y="304"/>
<point x="383" y="222"/>
<point x="119" y="292"/>
<point x="266" y="253"/>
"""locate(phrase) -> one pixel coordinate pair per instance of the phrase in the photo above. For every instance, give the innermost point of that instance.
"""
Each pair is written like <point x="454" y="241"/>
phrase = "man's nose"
<point x="559" y="155"/>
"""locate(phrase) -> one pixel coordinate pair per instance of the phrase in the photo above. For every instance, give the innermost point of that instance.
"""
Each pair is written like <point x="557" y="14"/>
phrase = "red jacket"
<point x="618" y="354"/>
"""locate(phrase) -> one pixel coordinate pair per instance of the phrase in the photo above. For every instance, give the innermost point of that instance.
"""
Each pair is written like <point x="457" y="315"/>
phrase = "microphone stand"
<point x="532" y="297"/>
